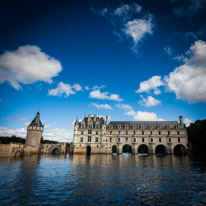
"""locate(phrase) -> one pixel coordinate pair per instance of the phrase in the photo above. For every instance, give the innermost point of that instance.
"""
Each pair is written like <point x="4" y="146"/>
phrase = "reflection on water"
<point x="102" y="179"/>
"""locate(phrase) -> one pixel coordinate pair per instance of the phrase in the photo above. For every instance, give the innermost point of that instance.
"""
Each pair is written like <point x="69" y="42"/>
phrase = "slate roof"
<point x="99" y="120"/>
<point x="154" y="124"/>
<point x="36" y="121"/>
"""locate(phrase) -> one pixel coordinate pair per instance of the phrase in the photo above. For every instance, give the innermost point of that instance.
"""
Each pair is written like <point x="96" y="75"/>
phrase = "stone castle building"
<point x="94" y="135"/>
<point x="34" y="132"/>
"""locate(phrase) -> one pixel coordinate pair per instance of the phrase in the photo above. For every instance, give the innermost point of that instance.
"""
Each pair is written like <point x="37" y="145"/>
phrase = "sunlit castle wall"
<point x="34" y="132"/>
<point x="93" y="135"/>
<point x="90" y="133"/>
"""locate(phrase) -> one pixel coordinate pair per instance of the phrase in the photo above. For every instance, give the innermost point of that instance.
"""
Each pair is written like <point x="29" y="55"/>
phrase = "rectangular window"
<point x="110" y="139"/>
<point x="81" y="139"/>
<point x="169" y="139"/>
<point x="150" y="132"/>
<point x="178" y="133"/>
<point x="126" y="132"/>
<point x="178" y="139"/>
<point x="89" y="138"/>
<point x="134" y="133"/>
<point x="126" y="139"/>
<point x="160" y="140"/>
<point x="82" y="132"/>
<point x="151" y="139"/>
<point x="110" y="132"/>
<point x="89" y="131"/>
<point x="96" y="139"/>
<point x="142" y="139"/>
<point x="168" y="132"/>
<point x="119" y="132"/>
<point x="142" y="132"/>
<point x="119" y="140"/>
<point x="159" y="133"/>
<point x="97" y="132"/>
<point x="134" y="139"/>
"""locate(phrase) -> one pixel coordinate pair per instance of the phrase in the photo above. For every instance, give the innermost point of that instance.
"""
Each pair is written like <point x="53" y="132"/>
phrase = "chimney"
<point x="181" y="120"/>
<point x="95" y="116"/>
<point x="106" y="119"/>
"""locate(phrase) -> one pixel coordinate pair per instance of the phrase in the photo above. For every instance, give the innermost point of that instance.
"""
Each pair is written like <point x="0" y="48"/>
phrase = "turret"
<point x="34" y="132"/>
<point x="181" y="120"/>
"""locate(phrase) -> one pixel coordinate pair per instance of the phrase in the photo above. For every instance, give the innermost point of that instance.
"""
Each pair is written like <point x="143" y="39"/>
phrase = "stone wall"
<point x="16" y="150"/>
<point x="94" y="150"/>
<point x="50" y="148"/>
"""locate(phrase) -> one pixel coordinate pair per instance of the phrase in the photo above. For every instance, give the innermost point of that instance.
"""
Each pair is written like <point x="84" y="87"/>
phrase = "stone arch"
<point x="114" y="149"/>
<point x="127" y="148"/>
<point x="55" y="151"/>
<point x="161" y="149"/>
<point x="143" y="148"/>
<point x="180" y="149"/>
<point x="89" y="149"/>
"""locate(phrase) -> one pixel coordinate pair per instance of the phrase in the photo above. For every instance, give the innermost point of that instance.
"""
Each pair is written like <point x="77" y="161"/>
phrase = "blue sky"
<point x="130" y="60"/>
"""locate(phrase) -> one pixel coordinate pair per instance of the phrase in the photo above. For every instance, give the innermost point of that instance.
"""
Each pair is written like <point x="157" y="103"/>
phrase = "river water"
<point x="102" y="180"/>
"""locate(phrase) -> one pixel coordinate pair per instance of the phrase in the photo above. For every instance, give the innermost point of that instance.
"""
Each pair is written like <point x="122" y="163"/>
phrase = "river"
<point x="102" y="180"/>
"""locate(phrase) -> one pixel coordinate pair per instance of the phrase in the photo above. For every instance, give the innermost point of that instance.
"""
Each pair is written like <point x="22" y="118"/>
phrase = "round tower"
<point x="34" y="132"/>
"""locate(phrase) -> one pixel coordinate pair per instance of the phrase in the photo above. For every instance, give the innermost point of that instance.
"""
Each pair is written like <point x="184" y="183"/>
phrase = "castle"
<point x="34" y="132"/>
<point x="33" y="143"/>
<point x="94" y="135"/>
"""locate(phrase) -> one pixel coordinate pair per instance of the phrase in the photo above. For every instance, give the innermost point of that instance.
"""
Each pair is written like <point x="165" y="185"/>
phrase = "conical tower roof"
<point x="36" y="121"/>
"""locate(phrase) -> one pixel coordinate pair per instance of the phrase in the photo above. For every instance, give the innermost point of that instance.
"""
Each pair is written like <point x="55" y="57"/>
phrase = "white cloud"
<point x="50" y="133"/>
<point x="139" y="115"/>
<point x="77" y="87"/>
<point x="187" y="121"/>
<point x="102" y="106"/>
<point x="127" y="24"/>
<point x="151" y="84"/>
<point x="188" y="81"/>
<point x="23" y="119"/>
<point x="149" y="101"/>
<point x="20" y="132"/>
<point x="87" y="88"/>
<point x="146" y="116"/>
<point x="27" y="65"/>
<point x="96" y="94"/>
<point x="98" y="87"/>
<point x="57" y="134"/>
<point x="66" y="89"/>
<point x="168" y="50"/>
<point x="126" y="10"/>
<point x="124" y="106"/>
<point x="138" y="28"/>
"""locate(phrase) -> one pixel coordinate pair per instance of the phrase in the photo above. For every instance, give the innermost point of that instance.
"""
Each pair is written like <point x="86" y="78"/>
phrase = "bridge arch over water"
<point x="180" y="149"/>
<point x="143" y="148"/>
<point x="161" y="149"/>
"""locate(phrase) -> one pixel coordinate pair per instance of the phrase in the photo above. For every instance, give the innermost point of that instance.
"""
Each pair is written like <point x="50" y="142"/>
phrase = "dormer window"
<point x="83" y="126"/>
<point x="126" y="126"/>
<point x="119" y="126"/>
<point x="110" y="126"/>
<point x="159" y="127"/>
<point x="134" y="126"/>
<point x="142" y="126"/>
<point x="167" y="126"/>
<point x="150" y="126"/>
